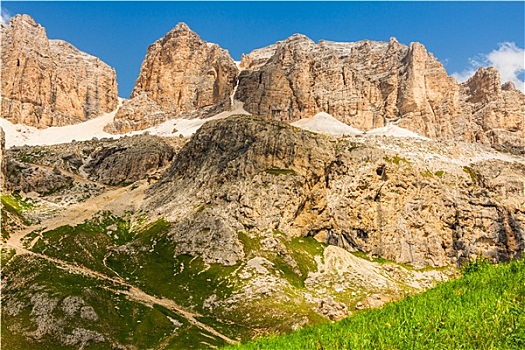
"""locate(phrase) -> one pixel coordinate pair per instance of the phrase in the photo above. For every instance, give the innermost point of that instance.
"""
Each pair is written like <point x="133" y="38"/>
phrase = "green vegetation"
<point x="150" y="263"/>
<point x="86" y="244"/>
<point x="119" y="320"/>
<point x="353" y="146"/>
<point x="471" y="173"/>
<point x="16" y="202"/>
<point x="428" y="173"/>
<point x="376" y="259"/>
<point x="251" y="245"/>
<point x="145" y="257"/>
<point x="278" y="171"/>
<point x="481" y="310"/>
<point x="396" y="160"/>
<point x="302" y="251"/>
<point x="13" y="212"/>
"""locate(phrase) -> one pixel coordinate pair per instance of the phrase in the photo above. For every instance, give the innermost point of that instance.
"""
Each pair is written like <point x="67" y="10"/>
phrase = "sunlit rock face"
<point x="50" y="82"/>
<point x="182" y="75"/>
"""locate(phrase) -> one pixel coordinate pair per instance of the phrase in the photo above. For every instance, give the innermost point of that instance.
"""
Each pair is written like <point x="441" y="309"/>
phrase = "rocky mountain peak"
<point x="50" y="82"/>
<point x="182" y="27"/>
<point x="298" y="38"/>
<point x="508" y="86"/>
<point x="486" y="82"/>
<point x="181" y="75"/>
<point x="180" y="35"/>
<point x="23" y="20"/>
<point x="497" y="110"/>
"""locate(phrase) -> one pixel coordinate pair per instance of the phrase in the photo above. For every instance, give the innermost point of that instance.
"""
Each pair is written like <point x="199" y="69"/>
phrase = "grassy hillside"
<point x="483" y="310"/>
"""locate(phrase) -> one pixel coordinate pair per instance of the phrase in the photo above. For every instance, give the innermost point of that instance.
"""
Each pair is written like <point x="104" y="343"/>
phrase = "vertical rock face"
<point x="181" y="75"/>
<point x="364" y="84"/>
<point x="50" y="82"/>
<point x="497" y="110"/>
<point x="370" y="84"/>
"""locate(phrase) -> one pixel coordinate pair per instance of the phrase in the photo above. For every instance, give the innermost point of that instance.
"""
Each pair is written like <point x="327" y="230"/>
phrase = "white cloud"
<point x="508" y="59"/>
<point x="5" y="16"/>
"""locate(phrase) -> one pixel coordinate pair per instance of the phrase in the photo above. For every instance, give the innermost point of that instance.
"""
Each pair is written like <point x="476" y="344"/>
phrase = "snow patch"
<point x="324" y="123"/>
<point x="394" y="131"/>
<point x="19" y="135"/>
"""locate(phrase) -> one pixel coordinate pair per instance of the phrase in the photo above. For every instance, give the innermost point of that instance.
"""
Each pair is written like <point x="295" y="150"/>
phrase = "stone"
<point x="332" y="309"/>
<point x="50" y="82"/>
<point x="182" y="75"/>
<point x="369" y="84"/>
<point x="39" y="179"/>
<point x="247" y="173"/>
<point x="3" y="161"/>
<point x="128" y="160"/>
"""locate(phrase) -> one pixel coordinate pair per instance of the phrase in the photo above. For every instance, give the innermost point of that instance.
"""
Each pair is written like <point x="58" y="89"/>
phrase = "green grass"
<point x="16" y="202"/>
<point x="12" y="213"/>
<point x="482" y="310"/>
<point x="278" y="171"/>
<point x="396" y="160"/>
<point x="303" y="250"/>
<point x="16" y="205"/>
<point x="120" y="320"/>
<point x="471" y="173"/>
<point x="378" y="260"/>
<point x="88" y="243"/>
<point x="439" y="173"/>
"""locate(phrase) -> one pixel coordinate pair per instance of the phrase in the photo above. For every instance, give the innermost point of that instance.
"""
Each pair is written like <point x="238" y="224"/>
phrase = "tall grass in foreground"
<point x="485" y="309"/>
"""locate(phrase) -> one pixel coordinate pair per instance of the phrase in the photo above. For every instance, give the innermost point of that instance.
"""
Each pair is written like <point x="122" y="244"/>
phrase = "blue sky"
<point x="462" y="35"/>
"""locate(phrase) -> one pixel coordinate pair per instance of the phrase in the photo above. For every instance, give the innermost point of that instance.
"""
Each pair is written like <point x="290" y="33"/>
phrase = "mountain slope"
<point x="482" y="310"/>
<point x="409" y="200"/>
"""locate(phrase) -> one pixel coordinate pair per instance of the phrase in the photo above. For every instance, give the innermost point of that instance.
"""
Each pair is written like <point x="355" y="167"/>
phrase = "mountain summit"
<point x="181" y="75"/>
<point x="50" y="82"/>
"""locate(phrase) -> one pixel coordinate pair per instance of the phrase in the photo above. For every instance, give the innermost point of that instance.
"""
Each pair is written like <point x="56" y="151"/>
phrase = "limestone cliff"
<point x="497" y="110"/>
<point x="182" y="75"/>
<point x="244" y="174"/>
<point x="364" y="84"/>
<point x="370" y="84"/>
<point x="50" y="82"/>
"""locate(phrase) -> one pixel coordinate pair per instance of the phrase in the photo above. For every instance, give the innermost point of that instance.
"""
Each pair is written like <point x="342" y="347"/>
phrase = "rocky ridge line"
<point x="370" y="84"/>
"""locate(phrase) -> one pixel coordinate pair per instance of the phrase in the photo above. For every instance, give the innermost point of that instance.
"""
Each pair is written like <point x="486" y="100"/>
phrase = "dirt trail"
<point x="132" y="292"/>
<point x="117" y="200"/>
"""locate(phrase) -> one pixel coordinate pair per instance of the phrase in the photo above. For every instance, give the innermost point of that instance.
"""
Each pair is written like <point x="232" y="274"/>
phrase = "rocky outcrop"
<point x="498" y="110"/>
<point x="182" y="75"/>
<point x="370" y="84"/>
<point x="111" y="162"/>
<point x="50" y="82"/>
<point x="39" y="179"/>
<point x="129" y="160"/>
<point x="252" y="174"/>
